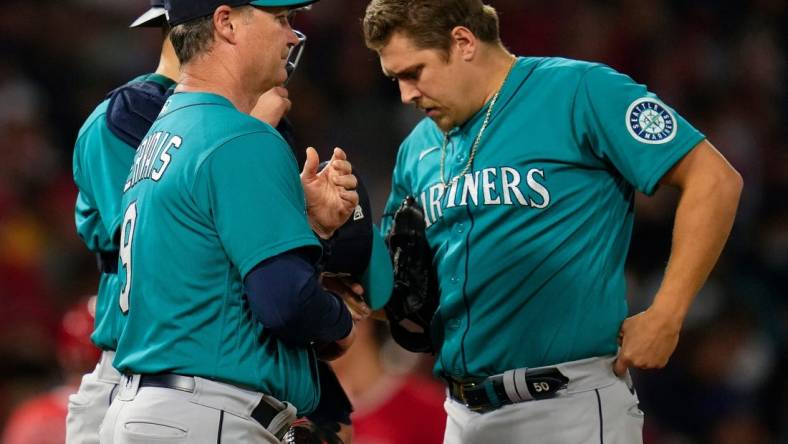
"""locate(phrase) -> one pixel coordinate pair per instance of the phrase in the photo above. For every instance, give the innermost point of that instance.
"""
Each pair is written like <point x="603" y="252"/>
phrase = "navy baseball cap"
<point x="153" y="17"/>
<point x="357" y="251"/>
<point x="182" y="11"/>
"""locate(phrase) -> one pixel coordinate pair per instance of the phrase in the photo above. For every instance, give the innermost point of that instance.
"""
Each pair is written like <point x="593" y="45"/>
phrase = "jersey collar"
<point x="183" y="99"/>
<point x="161" y="80"/>
<point x="520" y="71"/>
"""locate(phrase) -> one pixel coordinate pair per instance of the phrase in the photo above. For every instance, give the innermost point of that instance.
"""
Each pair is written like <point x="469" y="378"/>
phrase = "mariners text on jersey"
<point x="152" y="158"/>
<point x="490" y="186"/>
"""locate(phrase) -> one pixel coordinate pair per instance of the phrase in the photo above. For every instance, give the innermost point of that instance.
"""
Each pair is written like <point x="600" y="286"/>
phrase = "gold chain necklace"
<point x="478" y="136"/>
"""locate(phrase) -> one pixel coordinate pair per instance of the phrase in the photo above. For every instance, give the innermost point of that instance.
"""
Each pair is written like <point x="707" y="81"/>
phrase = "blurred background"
<point x="721" y="64"/>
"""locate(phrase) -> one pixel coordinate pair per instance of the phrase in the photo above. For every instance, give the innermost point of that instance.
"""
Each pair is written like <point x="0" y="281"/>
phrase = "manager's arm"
<point x="285" y="295"/>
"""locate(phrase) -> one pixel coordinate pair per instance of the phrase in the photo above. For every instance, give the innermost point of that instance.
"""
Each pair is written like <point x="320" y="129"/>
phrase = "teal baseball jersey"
<point x="530" y="243"/>
<point x="212" y="192"/>
<point x="100" y="166"/>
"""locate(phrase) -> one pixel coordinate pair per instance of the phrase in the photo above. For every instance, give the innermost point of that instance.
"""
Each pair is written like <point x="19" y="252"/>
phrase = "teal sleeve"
<point x="101" y="166"/>
<point x="399" y="189"/>
<point x="603" y="113"/>
<point x="254" y="196"/>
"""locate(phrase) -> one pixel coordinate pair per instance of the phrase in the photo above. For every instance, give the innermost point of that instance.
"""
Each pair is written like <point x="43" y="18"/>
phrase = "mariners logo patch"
<point x="650" y="121"/>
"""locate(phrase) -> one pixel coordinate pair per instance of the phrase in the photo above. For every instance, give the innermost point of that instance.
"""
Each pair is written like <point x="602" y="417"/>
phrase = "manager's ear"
<point x="225" y="24"/>
<point x="464" y="42"/>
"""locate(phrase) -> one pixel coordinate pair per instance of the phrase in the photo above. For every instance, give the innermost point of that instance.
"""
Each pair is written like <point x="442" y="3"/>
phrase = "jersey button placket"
<point x="464" y="143"/>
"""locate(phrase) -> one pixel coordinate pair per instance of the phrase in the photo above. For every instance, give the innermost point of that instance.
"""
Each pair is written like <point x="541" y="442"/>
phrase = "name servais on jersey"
<point x="489" y="186"/>
<point x="152" y="158"/>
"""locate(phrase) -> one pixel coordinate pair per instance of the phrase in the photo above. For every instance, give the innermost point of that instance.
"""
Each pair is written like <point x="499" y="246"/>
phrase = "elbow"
<point x="286" y="325"/>
<point x="723" y="184"/>
<point x="738" y="182"/>
<point x="731" y="185"/>
<point x="279" y="322"/>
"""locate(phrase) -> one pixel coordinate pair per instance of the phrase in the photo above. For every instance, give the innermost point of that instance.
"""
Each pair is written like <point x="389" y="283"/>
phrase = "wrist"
<point x="671" y="315"/>
<point x="322" y="232"/>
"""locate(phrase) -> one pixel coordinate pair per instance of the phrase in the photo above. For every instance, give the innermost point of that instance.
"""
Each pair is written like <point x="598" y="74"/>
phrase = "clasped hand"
<point x="330" y="194"/>
<point x="647" y="340"/>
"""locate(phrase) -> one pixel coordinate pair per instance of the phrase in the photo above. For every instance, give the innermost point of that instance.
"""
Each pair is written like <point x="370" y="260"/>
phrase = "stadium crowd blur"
<point x="721" y="64"/>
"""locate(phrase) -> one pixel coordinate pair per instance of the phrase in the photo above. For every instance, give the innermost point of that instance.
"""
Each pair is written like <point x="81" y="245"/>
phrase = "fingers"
<point x="339" y="154"/>
<point x="272" y="106"/>
<point x="646" y="342"/>
<point x="356" y="288"/>
<point x="627" y="359"/>
<point x="350" y="198"/>
<point x="620" y="366"/>
<point x="285" y="95"/>
<point x="281" y="91"/>
<point x="287" y="104"/>
<point x="347" y="181"/>
<point x="358" y="310"/>
<point x="350" y="292"/>
<point x="341" y="167"/>
<point x="339" y="162"/>
<point x="310" y="164"/>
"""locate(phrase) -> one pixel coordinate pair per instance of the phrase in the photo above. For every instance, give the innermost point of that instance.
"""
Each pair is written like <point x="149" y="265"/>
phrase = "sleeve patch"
<point x="650" y="121"/>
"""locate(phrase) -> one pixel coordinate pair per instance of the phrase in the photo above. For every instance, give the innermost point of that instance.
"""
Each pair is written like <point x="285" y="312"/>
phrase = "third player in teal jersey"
<point x="526" y="170"/>
<point x="103" y="152"/>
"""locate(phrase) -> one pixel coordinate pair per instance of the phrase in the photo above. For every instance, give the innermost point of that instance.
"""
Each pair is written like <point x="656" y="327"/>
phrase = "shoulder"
<point x="95" y="120"/>
<point x="132" y="108"/>
<point x="94" y="139"/>
<point x="232" y="128"/>
<point x="562" y="70"/>
<point x="210" y="124"/>
<point x="248" y="144"/>
<point x="211" y="116"/>
<point x="560" y="65"/>
<point x="566" y="77"/>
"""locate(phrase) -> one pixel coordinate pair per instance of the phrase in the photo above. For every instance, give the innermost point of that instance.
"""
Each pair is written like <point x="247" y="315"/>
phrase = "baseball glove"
<point x="415" y="297"/>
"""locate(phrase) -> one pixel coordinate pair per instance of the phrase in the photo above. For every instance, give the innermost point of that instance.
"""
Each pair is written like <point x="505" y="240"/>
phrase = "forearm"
<point x="285" y="296"/>
<point x="324" y="318"/>
<point x="703" y="221"/>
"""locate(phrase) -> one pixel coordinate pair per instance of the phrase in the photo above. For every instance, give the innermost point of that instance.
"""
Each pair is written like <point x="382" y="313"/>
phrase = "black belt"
<point x="264" y="413"/>
<point x="107" y="262"/>
<point x="487" y="394"/>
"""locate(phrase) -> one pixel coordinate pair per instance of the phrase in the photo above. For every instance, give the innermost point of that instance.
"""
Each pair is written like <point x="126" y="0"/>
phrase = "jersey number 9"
<point x="126" y="236"/>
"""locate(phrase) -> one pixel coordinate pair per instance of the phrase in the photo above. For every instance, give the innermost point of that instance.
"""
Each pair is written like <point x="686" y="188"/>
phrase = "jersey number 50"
<point x="126" y="236"/>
